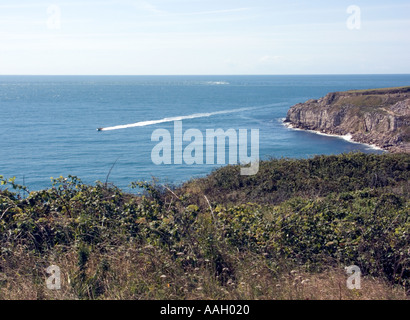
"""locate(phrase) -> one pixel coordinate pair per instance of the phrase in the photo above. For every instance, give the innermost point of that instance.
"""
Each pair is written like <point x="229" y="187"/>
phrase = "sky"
<point x="204" y="37"/>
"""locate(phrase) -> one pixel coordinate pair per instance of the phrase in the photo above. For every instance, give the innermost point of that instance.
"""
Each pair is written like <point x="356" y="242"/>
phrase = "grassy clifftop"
<point x="286" y="233"/>
<point x="393" y="90"/>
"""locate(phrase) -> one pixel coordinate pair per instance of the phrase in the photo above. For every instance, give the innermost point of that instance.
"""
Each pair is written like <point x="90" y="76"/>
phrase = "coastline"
<point x="378" y="118"/>
<point x="347" y="137"/>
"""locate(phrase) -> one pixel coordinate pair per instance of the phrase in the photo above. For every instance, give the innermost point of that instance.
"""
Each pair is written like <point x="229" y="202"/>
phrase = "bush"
<point x="315" y="213"/>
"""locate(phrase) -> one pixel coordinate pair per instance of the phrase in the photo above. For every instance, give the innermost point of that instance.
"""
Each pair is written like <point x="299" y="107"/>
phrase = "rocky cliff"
<point x="380" y="117"/>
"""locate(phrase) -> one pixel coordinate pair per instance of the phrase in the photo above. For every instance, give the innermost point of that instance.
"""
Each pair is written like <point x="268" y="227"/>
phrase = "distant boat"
<point x="100" y="129"/>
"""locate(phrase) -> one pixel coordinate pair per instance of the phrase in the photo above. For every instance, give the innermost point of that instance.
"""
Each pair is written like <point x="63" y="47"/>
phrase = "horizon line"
<point x="203" y="75"/>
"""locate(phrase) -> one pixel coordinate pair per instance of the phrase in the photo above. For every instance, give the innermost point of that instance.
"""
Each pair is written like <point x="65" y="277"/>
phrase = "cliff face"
<point x="380" y="117"/>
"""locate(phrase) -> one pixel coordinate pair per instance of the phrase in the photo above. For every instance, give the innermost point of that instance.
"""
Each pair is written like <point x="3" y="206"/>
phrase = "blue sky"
<point x="179" y="37"/>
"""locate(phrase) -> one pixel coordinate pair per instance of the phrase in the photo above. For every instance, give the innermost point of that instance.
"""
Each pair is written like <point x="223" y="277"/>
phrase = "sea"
<point x="48" y="124"/>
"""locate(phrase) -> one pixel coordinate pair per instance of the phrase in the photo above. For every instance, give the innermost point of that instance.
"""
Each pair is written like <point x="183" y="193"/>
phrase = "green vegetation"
<point x="382" y="90"/>
<point x="283" y="179"/>
<point x="370" y="100"/>
<point x="224" y="236"/>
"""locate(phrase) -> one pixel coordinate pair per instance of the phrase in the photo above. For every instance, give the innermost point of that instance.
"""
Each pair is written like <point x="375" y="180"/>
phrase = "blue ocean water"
<point x="48" y="123"/>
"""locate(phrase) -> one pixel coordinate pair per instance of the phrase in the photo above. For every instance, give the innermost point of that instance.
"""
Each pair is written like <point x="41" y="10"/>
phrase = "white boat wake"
<point x="171" y="119"/>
